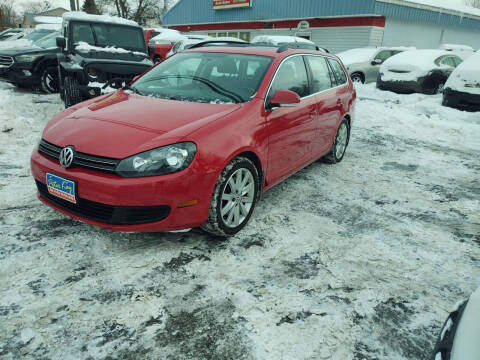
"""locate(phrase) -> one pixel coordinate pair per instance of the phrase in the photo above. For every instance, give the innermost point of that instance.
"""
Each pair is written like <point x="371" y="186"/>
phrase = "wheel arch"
<point x="254" y="158"/>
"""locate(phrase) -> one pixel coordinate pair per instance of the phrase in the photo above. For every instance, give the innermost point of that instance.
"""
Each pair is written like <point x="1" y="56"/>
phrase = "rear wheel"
<point x="337" y="152"/>
<point x="71" y="91"/>
<point x="234" y="198"/>
<point x="49" y="80"/>
<point x="357" y="78"/>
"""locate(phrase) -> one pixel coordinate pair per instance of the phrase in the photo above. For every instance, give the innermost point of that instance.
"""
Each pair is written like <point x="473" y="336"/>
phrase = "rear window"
<point x="338" y="71"/>
<point x="322" y="76"/>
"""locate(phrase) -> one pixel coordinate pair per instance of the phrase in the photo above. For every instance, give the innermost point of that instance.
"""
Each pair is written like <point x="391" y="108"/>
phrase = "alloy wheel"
<point x="341" y="140"/>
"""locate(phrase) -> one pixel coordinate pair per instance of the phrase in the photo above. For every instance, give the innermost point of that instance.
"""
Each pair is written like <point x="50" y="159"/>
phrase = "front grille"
<point x="115" y="215"/>
<point x="6" y="61"/>
<point x="81" y="160"/>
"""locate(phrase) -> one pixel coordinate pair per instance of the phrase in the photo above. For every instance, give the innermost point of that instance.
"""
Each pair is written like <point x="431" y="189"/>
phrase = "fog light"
<point x="187" y="203"/>
<point x="27" y="73"/>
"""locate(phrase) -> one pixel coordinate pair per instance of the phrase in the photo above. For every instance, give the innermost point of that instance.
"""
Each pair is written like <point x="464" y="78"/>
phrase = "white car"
<point x="462" y="89"/>
<point x="459" y="337"/>
<point x="363" y="64"/>
<point x="463" y="51"/>
<point x="184" y="44"/>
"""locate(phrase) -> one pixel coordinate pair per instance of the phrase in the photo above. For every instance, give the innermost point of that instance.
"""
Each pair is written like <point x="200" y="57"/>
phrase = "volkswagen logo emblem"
<point x="66" y="156"/>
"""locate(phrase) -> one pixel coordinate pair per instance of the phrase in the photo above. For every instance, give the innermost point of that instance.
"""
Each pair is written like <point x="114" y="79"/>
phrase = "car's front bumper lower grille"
<point x="6" y="61"/>
<point x="115" y="215"/>
<point x="81" y="160"/>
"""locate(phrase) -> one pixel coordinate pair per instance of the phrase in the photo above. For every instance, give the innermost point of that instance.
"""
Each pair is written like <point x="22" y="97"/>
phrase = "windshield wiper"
<point x="215" y="87"/>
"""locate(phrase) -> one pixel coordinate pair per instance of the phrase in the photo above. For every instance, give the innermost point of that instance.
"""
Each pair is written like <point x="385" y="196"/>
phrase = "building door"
<point x="304" y="35"/>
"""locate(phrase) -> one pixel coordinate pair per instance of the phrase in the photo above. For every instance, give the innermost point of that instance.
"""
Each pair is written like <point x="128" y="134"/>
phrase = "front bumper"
<point x="461" y="100"/>
<point x="110" y="190"/>
<point x="401" y="87"/>
<point x="18" y="76"/>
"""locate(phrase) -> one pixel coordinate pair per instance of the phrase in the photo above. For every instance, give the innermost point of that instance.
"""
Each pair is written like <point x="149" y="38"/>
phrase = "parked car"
<point x="98" y="51"/>
<point x="160" y="45"/>
<point x="462" y="89"/>
<point x="458" y="339"/>
<point x="150" y="33"/>
<point x="26" y="39"/>
<point x="462" y="51"/>
<point x="279" y="40"/>
<point x="196" y="139"/>
<point x="363" y="64"/>
<point x="183" y="44"/>
<point x="35" y="66"/>
<point x="7" y="34"/>
<point x="422" y="71"/>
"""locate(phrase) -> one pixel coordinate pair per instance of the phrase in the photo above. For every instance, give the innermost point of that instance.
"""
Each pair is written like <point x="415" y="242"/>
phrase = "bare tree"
<point x="8" y="16"/>
<point x="474" y="3"/>
<point x="137" y="10"/>
<point x="37" y="7"/>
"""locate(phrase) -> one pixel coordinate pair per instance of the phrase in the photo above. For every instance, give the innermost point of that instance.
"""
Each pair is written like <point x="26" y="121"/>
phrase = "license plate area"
<point x="62" y="188"/>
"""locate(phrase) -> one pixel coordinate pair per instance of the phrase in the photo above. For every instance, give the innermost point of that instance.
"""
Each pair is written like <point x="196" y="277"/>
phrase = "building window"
<point x="245" y="36"/>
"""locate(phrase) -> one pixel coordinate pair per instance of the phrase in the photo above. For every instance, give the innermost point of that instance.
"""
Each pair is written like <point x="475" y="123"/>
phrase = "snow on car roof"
<point x="80" y="15"/>
<point x="455" y="47"/>
<point x="48" y="19"/>
<point x="468" y="72"/>
<point x="279" y="39"/>
<point x="226" y="38"/>
<point x="168" y="35"/>
<point x="55" y="27"/>
<point x="364" y="54"/>
<point x="423" y="59"/>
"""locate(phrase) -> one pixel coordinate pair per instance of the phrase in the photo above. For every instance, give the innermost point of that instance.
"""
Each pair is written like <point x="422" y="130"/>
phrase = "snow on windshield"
<point x="168" y="35"/>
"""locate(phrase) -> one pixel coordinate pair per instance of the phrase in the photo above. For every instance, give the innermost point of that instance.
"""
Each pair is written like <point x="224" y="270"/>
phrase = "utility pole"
<point x="72" y="5"/>
<point x="78" y="5"/>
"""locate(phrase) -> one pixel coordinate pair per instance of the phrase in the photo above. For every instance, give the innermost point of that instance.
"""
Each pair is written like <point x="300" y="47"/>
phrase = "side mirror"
<point x="61" y="42"/>
<point x="377" y="62"/>
<point x="284" y="98"/>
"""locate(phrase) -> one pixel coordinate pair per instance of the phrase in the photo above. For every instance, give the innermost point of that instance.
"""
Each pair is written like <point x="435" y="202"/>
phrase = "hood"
<point x="121" y="124"/>
<point x="466" y="345"/>
<point x="466" y="77"/>
<point x="24" y="51"/>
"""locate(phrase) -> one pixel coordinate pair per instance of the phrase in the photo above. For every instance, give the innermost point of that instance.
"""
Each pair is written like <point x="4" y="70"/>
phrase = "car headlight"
<point x="163" y="160"/>
<point x="26" y="58"/>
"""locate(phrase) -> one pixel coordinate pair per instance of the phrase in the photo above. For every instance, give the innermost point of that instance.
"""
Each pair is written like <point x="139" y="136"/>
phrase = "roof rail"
<point x="299" y="46"/>
<point x="208" y="42"/>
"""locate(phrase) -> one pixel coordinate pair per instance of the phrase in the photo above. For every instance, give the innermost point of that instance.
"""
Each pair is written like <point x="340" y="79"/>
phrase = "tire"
<point x="357" y="77"/>
<point x="71" y="94"/>
<point x="236" y="212"/>
<point x="49" y="80"/>
<point x="339" y="147"/>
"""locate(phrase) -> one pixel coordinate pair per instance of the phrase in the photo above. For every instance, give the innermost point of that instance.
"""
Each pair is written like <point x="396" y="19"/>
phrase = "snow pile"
<point x="56" y="27"/>
<point x="48" y="19"/>
<point x="168" y="36"/>
<point x="278" y="40"/>
<point x="466" y="77"/>
<point x="85" y="47"/>
<point x="79" y="15"/>
<point x="411" y="65"/>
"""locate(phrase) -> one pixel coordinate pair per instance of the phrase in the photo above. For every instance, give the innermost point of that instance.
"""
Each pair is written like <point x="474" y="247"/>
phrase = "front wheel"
<point x="234" y="198"/>
<point x="71" y="91"/>
<point x="342" y="138"/>
<point x="49" y="80"/>
<point x="357" y="78"/>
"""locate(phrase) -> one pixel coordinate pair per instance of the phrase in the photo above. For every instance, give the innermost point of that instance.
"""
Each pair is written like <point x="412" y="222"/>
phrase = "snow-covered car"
<point x="23" y="40"/>
<point x="363" y="64"/>
<point x="7" y="34"/>
<point x="462" y="89"/>
<point x="463" y="51"/>
<point x="459" y="337"/>
<point x="98" y="51"/>
<point x="185" y="44"/>
<point x="160" y="45"/>
<point x="280" y="40"/>
<point x="33" y="66"/>
<point x="417" y="71"/>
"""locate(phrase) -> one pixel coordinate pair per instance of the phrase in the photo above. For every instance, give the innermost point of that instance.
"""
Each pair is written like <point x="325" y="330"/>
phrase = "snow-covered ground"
<point x="361" y="260"/>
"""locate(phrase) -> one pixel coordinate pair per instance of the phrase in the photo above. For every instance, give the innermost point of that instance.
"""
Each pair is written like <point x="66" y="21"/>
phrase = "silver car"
<point x="363" y="64"/>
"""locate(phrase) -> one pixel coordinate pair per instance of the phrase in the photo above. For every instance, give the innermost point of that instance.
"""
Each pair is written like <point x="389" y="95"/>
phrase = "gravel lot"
<point x="361" y="260"/>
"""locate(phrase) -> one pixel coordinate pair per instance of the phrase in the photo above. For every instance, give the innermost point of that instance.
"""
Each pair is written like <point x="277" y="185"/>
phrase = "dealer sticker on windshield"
<point x="62" y="188"/>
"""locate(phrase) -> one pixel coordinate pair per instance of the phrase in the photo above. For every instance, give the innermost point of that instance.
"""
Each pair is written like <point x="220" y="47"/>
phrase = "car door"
<point x="327" y="103"/>
<point x="374" y="69"/>
<point x="292" y="129"/>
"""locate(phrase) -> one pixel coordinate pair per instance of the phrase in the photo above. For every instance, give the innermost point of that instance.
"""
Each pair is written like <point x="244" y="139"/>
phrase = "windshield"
<point x="103" y="35"/>
<point x="37" y="34"/>
<point x="205" y="77"/>
<point x="47" y="42"/>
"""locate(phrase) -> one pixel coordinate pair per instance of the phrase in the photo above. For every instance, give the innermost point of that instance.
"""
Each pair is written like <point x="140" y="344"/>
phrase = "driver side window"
<point x="82" y="32"/>
<point x="291" y="75"/>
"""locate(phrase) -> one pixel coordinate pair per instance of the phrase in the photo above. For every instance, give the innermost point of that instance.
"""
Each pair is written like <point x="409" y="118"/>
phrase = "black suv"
<point x="33" y="66"/>
<point x="98" y="52"/>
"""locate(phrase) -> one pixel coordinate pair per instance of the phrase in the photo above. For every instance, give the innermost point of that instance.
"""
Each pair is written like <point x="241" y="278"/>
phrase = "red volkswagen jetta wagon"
<point x="196" y="139"/>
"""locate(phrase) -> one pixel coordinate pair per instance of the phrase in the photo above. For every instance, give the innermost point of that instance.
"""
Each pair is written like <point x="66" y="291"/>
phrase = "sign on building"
<point x="228" y="4"/>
